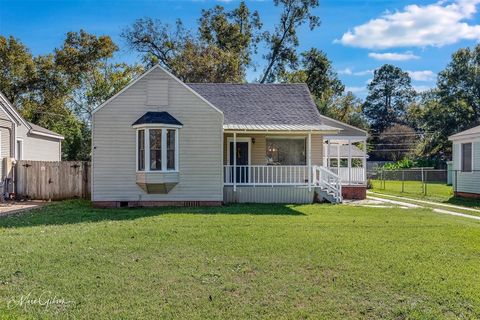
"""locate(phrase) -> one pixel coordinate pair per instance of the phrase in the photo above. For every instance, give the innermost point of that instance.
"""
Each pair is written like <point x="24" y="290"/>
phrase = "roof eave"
<point x="39" y="133"/>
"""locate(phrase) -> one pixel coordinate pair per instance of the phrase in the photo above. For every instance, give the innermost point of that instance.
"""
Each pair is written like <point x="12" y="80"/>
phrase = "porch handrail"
<point x="265" y="175"/>
<point x="350" y="176"/>
<point x="329" y="181"/>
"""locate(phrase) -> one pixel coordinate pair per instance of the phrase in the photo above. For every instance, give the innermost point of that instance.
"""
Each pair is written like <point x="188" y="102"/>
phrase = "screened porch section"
<point x="347" y="158"/>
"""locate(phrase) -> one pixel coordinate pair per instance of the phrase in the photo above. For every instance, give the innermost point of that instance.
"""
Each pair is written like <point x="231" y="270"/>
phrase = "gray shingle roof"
<point x="261" y="103"/>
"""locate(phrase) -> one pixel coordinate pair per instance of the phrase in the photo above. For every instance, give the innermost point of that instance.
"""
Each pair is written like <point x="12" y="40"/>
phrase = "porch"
<point x="290" y="163"/>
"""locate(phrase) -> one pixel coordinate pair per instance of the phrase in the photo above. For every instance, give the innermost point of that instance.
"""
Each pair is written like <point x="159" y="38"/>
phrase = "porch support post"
<point x="309" y="161"/>
<point x="349" y="161"/>
<point x="338" y="158"/>
<point x="234" y="161"/>
<point x="328" y="155"/>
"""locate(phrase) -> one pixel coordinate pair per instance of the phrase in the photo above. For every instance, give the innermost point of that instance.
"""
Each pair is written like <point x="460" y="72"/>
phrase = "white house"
<point x="466" y="163"/>
<point x="160" y="141"/>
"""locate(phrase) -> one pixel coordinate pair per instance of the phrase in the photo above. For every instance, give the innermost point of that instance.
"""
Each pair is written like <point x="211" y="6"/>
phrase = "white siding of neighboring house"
<point x="5" y="136"/>
<point x="40" y="148"/>
<point x="466" y="181"/>
<point x="200" y="143"/>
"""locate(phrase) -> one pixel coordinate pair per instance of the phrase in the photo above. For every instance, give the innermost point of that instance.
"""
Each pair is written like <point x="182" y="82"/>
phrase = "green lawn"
<point x="244" y="261"/>
<point x="437" y="192"/>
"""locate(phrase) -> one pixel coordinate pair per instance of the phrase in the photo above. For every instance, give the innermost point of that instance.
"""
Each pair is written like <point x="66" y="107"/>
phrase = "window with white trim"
<point x="467" y="157"/>
<point x="157" y="149"/>
<point x="141" y="150"/>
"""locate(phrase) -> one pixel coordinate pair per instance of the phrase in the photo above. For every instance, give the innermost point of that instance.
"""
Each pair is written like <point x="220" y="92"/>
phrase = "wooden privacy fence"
<point x="52" y="180"/>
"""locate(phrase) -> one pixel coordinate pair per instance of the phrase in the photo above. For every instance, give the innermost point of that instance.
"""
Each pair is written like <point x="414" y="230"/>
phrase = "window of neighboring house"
<point x="282" y="151"/>
<point x="466" y="157"/>
<point x="157" y="149"/>
<point x="19" y="150"/>
<point x="141" y="150"/>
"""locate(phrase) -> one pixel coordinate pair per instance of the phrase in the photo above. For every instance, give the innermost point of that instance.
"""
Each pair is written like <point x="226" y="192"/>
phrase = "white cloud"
<point x="425" y="75"/>
<point x="346" y="71"/>
<point x="392" y="56"/>
<point x="355" y="89"/>
<point x="363" y="73"/>
<point x="437" y="24"/>
<point x="422" y="88"/>
<point x="349" y="72"/>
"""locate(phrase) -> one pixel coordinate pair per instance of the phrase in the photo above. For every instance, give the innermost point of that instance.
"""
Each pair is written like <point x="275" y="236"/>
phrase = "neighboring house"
<point x="22" y="140"/>
<point x="466" y="163"/>
<point x="160" y="141"/>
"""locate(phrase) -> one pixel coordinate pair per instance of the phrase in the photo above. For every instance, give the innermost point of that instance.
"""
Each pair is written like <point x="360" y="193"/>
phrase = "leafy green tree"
<point x="220" y="53"/>
<point x="59" y="91"/>
<point x="282" y="42"/>
<point x="348" y="109"/>
<point x="236" y="32"/>
<point x="460" y="81"/>
<point x="327" y="90"/>
<point x="390" y="94"/>
<point x="438" y="120"/>
<point x="317" y="72"/>
<point x="396" y="142"/>
<point x="18" y="69"/>
<point x="450" y="108"/>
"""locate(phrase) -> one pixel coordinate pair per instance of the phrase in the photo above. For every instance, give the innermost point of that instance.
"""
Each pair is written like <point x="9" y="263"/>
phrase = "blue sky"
<point x="358" y="36"/>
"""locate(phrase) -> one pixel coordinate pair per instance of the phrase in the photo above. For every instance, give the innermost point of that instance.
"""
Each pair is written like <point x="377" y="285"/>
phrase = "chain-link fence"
<point x="418" y="181"/>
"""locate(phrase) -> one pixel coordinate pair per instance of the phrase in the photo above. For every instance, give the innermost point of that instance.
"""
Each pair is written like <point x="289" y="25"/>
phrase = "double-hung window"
<point x="157" y="149"/>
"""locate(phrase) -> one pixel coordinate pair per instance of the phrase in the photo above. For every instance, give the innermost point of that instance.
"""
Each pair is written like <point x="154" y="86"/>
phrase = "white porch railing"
<point x="328" y="181"/>
<point x="283" y="176"/>
<point x="265" y="175"/>
<point x="350" y="176"/>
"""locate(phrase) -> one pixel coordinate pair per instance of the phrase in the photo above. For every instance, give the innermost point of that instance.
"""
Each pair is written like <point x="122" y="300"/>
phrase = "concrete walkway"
<point x="16" y="207"/>
<point x="437" y="204"/>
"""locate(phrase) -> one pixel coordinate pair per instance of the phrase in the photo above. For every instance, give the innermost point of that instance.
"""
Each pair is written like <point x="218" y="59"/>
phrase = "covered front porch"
<point x="279" y="162"/>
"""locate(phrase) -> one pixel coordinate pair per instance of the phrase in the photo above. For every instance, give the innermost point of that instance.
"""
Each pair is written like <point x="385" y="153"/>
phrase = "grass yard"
<point x="243" y="261"/>
<point x="437" y="192"/>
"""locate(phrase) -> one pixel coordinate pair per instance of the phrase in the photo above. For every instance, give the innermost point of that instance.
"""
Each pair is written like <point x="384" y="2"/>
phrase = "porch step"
<point x="325" y="194"/>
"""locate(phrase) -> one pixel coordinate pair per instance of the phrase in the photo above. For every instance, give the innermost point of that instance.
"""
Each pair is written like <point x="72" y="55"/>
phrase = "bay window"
<point x="157" y="149"/>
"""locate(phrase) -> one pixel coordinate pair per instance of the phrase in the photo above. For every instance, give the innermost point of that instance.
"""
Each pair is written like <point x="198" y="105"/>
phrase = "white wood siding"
<point x="6" y="130"/>
<point x="38" y="147"/>
<point x="466" y="181"/>
<point x="157" y="93"/>
<point x="200" y="144"/>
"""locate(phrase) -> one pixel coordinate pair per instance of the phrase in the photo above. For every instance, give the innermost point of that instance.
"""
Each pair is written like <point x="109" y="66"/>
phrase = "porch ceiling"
<point x="280" y="128"/>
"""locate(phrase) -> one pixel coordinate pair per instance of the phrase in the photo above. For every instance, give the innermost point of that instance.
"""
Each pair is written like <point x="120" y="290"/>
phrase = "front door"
<point x="242" y="161"/>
